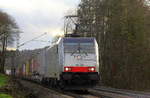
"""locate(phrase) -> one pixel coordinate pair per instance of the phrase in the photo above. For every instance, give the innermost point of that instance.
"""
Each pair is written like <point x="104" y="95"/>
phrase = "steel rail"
<point x="126" y="91"/>
<point x="121" y="92"/>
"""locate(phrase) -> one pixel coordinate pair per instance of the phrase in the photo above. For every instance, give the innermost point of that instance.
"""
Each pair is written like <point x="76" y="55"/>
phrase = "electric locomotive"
<point x="71" y="63"/>
<point x="81" y="64"/>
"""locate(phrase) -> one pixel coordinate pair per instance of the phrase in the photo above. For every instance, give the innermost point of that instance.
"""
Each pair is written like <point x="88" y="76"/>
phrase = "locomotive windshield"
<point x="79" y="45"/>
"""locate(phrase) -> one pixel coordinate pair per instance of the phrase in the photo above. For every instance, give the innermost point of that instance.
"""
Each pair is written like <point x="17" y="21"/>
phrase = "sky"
<point x="35" y="17"/>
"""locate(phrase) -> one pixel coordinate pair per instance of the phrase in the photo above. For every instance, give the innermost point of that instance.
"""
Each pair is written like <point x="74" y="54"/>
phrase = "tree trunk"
<point x="4" y="45"/>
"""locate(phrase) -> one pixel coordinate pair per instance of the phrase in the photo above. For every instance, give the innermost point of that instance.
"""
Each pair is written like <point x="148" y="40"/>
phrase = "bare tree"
<point x="9" y="32"/>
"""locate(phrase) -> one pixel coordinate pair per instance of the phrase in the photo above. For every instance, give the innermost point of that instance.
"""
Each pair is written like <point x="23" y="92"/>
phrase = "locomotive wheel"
<point x="61" y="85"/>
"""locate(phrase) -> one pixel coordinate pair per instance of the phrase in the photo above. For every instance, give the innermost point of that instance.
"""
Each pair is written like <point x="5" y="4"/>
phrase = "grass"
<point x="3" y="80"/>
<point x="5" y="96"/>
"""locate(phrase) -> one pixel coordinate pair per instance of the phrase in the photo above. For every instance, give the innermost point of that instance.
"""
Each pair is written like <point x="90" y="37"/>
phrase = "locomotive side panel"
<point x="61" y="55"/>
<point x="97" y="56"/>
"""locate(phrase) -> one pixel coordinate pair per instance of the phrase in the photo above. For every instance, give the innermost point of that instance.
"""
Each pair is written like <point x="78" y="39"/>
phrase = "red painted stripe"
<point x="78" y="69"/>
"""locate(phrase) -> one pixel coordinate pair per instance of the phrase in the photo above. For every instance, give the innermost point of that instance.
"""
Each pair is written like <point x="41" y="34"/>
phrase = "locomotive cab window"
<point x="79" y="46"/>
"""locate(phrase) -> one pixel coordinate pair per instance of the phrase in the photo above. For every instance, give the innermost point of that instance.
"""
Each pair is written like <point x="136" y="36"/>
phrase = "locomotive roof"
<point x="79" y="40"/>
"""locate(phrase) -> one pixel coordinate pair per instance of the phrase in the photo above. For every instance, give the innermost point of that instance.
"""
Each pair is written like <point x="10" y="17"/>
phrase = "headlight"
<point x="92" y="69"/>
<point x="67" y="69"/>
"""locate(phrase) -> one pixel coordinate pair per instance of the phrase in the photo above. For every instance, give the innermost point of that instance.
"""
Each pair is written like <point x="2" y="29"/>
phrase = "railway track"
<point x="97" y="92"/>
<point x="78" y="93"/>
<point x="62" y="93"/>
<point x="83" y="94"/>
<point x="119" y="93"/>
<point x="127" y="92"/>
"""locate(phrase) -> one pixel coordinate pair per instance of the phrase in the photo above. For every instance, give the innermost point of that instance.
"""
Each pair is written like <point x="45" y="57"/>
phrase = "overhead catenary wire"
<point x="31" y="40"/>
